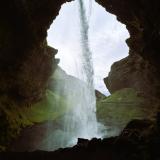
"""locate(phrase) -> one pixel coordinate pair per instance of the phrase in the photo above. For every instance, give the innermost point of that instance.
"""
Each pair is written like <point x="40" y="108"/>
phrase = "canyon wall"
<point x="26" y="61"/>
<point x="140" y="69"/>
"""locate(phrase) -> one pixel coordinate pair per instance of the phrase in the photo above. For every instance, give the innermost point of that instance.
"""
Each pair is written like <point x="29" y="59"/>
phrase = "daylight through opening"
<point x="107" y="38"/>
<point x="89" y="40"/>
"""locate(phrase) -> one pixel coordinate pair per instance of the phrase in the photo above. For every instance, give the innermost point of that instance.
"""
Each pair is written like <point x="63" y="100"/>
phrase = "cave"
<point x="101" y="25"/>
<point x="27" y="65"/>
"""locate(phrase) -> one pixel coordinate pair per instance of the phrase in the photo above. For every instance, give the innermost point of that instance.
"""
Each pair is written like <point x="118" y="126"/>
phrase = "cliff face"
<point x="143" y="22"/>
<point x="26" y="61"/>
<point x="133" y="72"/>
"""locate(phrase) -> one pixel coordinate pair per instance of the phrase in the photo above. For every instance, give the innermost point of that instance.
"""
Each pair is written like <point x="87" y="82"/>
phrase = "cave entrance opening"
<point x="105" y="38"/>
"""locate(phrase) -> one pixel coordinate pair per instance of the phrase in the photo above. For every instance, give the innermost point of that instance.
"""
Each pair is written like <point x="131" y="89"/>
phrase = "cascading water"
<point x="81" y="121"/>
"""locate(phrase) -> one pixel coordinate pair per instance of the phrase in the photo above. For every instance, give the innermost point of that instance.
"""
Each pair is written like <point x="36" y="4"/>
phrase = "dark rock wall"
<point x="143" y="22"/>
<point x="133" y="72"/>
<point x="26" y="61"/>
<point x="138" y="141"/>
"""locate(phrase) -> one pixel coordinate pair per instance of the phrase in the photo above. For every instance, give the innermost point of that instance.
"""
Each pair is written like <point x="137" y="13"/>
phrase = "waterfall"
<point x="80" y="119"/>
<point x="81" y="122"/>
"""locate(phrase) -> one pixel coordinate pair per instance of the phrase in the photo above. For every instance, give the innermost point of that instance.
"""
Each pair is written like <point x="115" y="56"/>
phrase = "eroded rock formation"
<point x="134" y="72"/>
<point x="138" y="141"/>
<point x="142" y="21"/>
<point x="26" y="61"/>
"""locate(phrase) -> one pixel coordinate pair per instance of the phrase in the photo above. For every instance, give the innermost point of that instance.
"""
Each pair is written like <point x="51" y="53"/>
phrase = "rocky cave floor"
<point x="140" y="140"/>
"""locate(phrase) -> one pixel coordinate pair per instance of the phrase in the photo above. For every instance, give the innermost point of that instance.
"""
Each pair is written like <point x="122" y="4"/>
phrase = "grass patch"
<point x="50" y="108"/>
<point x="121" y="107"/>
<point x="14" y="118"/>
<point x="127" y="95"/>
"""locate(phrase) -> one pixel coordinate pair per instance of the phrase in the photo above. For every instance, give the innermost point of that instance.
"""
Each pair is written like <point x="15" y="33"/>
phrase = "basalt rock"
<point x="26" y="62"/>
<point x="138" y="141"/>
<point x="142" y="21"/>
<point x="99" y="95"/>
<point x="134" y="72"/>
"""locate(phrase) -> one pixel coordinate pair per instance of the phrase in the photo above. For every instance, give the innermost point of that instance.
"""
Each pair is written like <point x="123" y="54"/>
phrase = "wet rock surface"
<point x="138" y="141"/>
<point x="134" y="72"/>
<point x="26" y="62"/>
<point x="142" y="21"/>
<point x="141" y="69"/>
<point x="25" y="58"/>
<point x="31" y="138"/>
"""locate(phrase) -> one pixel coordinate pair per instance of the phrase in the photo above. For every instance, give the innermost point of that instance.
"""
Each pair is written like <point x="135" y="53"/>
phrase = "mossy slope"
<point x="121" y="107"/>
<point x="14" y="118"/>
<point x="59" y="98"/>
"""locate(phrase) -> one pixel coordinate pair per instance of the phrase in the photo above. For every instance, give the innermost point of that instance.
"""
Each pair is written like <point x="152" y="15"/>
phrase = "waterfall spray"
<point x="80" y="119"/>
<point x="81" y="122"/>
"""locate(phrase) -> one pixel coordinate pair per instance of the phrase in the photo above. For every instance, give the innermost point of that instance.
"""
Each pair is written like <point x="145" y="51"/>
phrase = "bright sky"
<point x="106" y="35"/>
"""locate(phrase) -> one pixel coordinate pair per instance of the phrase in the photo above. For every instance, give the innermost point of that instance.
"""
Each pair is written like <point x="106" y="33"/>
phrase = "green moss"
<point x="2" y="148"/>
<point x="121" y="107"/>
<point x="56" y="102"/>
<point x="127" y="95"/>
<point x="14" y="118"/>
<point x="50" y="108"/>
